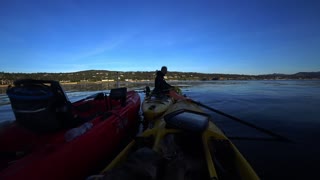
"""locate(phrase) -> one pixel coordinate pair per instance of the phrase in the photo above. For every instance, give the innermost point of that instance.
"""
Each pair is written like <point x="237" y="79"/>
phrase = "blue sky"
<point x="212" y="36"/>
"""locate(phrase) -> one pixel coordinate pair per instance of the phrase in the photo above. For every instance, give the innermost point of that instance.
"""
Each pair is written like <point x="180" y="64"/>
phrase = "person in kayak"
<point x="160" y="84"/>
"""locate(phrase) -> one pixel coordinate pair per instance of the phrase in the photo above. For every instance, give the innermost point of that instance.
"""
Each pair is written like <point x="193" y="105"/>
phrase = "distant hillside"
<point x="109" y="76"/>
<point x="300" y="75"/>
<point x="307" y="75"/>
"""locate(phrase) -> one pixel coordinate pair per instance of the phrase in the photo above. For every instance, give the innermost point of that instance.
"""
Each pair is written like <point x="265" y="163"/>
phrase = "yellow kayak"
<point x="153" y="106"/>
<point x="184" y="143"/>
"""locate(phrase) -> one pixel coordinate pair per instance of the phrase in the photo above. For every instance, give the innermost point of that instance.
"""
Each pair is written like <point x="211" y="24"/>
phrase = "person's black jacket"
<point x="160" y="83"/>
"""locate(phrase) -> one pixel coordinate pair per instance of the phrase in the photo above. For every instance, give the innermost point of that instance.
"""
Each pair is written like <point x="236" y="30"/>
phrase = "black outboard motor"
<point x="40" y="105"/>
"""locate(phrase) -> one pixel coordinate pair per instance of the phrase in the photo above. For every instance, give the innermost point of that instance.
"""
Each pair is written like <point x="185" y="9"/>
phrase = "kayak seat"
<point x="40" y="105"/>
<point x="102" y="100"/>
<point x="118" y="96"/>
<point x="89" y="108"/>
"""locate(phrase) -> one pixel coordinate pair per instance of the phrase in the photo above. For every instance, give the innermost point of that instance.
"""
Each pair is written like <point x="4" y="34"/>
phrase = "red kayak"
<point x="54" y="139"/>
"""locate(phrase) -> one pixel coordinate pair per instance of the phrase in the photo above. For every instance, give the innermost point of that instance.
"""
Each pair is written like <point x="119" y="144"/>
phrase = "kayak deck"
<point x="181" y="148"/>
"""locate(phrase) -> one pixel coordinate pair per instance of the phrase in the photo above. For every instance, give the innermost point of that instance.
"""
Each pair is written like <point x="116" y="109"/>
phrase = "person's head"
<point x="164" y="69"/>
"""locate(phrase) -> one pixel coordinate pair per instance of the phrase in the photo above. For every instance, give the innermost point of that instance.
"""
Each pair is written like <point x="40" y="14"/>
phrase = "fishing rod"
<point x="279" y="137"/>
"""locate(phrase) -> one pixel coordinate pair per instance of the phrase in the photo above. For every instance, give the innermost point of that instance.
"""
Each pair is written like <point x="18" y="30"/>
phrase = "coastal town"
<point x="145" y="76"/>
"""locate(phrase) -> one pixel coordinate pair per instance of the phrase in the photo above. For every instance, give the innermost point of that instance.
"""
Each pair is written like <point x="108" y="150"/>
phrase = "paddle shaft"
<point x="242" y="121"/>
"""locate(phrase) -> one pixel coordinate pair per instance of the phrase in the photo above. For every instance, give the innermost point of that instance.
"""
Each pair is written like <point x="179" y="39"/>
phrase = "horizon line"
<point x="168" y="72"/>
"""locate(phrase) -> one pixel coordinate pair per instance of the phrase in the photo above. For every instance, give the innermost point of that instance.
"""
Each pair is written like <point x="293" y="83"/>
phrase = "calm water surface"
<point x="288" y="108"/>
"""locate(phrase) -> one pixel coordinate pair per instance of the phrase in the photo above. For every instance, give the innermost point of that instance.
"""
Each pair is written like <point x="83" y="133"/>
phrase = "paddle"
<point x="279" y="137"/>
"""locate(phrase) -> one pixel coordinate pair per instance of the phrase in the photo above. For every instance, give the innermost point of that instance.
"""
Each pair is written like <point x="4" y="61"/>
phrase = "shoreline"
<point x="171" y="81"/>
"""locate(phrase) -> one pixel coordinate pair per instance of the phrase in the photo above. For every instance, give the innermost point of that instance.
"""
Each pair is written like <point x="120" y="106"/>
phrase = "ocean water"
<point x="289" y="108"/>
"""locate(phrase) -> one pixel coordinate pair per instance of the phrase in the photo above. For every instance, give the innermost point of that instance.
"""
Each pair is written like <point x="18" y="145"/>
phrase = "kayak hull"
<point x="57" y="156"/>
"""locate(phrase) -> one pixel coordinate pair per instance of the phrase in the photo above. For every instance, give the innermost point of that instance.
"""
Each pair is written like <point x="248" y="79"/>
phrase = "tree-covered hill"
<point x="108" y="76"/>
